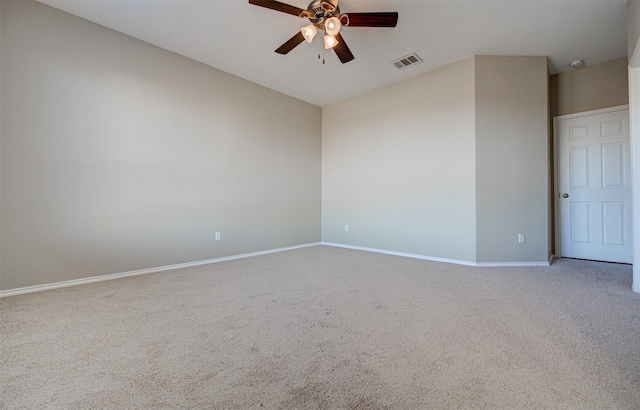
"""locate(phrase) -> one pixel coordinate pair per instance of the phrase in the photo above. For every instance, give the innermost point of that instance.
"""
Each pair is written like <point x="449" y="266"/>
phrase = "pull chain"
<point x="322" y="50"/>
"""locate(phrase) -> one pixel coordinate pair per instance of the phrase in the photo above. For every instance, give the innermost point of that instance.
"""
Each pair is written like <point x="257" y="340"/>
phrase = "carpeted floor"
<point x="329" y="328"/>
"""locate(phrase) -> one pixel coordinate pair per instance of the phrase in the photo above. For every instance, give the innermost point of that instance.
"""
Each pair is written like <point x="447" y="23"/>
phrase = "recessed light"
<point x="576" y="63"/>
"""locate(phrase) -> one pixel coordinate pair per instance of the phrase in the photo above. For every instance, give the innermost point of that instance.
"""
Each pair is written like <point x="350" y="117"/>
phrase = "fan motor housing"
<point x="319" y="10"/>
<point x="328" y="5"/>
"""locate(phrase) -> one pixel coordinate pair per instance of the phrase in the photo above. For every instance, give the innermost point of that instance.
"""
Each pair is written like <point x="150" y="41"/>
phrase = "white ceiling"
<point x="240" y="38"/>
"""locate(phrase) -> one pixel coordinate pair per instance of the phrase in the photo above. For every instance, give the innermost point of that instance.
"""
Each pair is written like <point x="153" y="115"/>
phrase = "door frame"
<point x="556" y="182"/>
<point x="634" y="134"/>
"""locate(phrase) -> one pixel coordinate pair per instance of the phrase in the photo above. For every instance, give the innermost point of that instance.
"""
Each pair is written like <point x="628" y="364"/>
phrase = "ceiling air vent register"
<point x="406" y="61"/>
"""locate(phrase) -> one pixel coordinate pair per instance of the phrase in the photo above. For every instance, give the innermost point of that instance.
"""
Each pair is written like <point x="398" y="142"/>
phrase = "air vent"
<point x="406" y="61"/>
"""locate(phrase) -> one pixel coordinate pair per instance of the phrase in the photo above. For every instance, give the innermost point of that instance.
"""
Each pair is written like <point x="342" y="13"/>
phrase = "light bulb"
<point x="330" y="41"/>
<point x="332" y="26"/>
<point x="309" y="32"/>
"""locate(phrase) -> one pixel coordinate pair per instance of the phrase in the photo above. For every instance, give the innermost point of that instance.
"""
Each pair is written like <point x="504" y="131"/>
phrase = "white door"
<point x="594" y="187"/>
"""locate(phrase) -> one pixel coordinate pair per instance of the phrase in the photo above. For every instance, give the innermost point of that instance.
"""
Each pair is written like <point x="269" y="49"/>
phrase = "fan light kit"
<point x="325" y="15"/>
<point x="330" y="41"/>
<point x="309" y="32"/>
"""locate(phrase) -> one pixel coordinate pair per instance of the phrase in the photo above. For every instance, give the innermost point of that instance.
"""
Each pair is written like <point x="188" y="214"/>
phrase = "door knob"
<point x="565" y="195"/>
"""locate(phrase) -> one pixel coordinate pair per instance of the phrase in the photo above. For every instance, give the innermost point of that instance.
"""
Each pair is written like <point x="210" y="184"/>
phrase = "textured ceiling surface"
<point x="240" y="38"/>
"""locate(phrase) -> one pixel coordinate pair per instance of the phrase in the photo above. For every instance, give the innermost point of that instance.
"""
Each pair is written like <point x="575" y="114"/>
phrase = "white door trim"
<point x="587" y="113"/>
<point x="634" y="134"/>
<point x="556" y="182"/>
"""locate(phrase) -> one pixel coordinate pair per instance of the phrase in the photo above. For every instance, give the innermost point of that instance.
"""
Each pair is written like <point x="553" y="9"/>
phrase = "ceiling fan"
<point x="325" y="15"/>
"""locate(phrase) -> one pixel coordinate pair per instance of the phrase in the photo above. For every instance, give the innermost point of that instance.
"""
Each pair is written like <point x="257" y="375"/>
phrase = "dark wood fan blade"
<point x="290" y="44"/>
<point x="372" y="19"/>
<point x="277" y="6"/>
<point x="342" y="50"/>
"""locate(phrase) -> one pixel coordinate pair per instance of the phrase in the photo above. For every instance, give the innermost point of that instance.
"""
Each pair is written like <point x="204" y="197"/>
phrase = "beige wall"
<point x="600" y="86"/>
<point x="450" y="164"/>
<point x="118" y="155"/>
<point x="399" y="166"/>
<point x="633" y="25"/>
<point x="512" y="157"/>
<point x="633" y="32"/>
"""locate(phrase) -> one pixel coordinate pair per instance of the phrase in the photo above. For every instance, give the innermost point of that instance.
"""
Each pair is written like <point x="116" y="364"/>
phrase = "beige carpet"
<point x="329" y="328"/>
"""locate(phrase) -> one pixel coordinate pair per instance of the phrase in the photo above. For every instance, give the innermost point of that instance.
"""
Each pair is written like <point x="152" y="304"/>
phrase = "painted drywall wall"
<point x="1" y="115"/>
<point x="512" y="158"/>
<point x="399" y="166"/>
<point x="634" y="122"/>
<point x="633" y="32"/>
<point x="419" y="166"/>
<point x="118" y="155"/>
<point x="591" y="88"/>
<point x="633" y="26"/>
<point x="600" y="86"/>
<point x="551" y="225"/>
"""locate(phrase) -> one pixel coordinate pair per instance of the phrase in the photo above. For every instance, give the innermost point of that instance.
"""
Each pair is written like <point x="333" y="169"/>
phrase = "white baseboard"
<point x="514" y="264"/>
<point x="75" y="282"/>
<point x="39" y="288"/>
<point x="403" y="254"/>
<point x="437" y="259"/>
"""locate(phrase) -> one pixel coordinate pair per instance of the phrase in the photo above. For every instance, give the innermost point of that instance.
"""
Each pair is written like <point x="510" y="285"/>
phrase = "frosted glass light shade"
<point x="332" y="26"/>
<point x="330" y="41"/>
<point x="309" y="32"/>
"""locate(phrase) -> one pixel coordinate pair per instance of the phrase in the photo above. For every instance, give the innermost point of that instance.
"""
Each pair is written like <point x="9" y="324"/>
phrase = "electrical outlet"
<point x="217" y="236"/>
<point x="521" y="238"/>
<point x="346" y="228"/>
